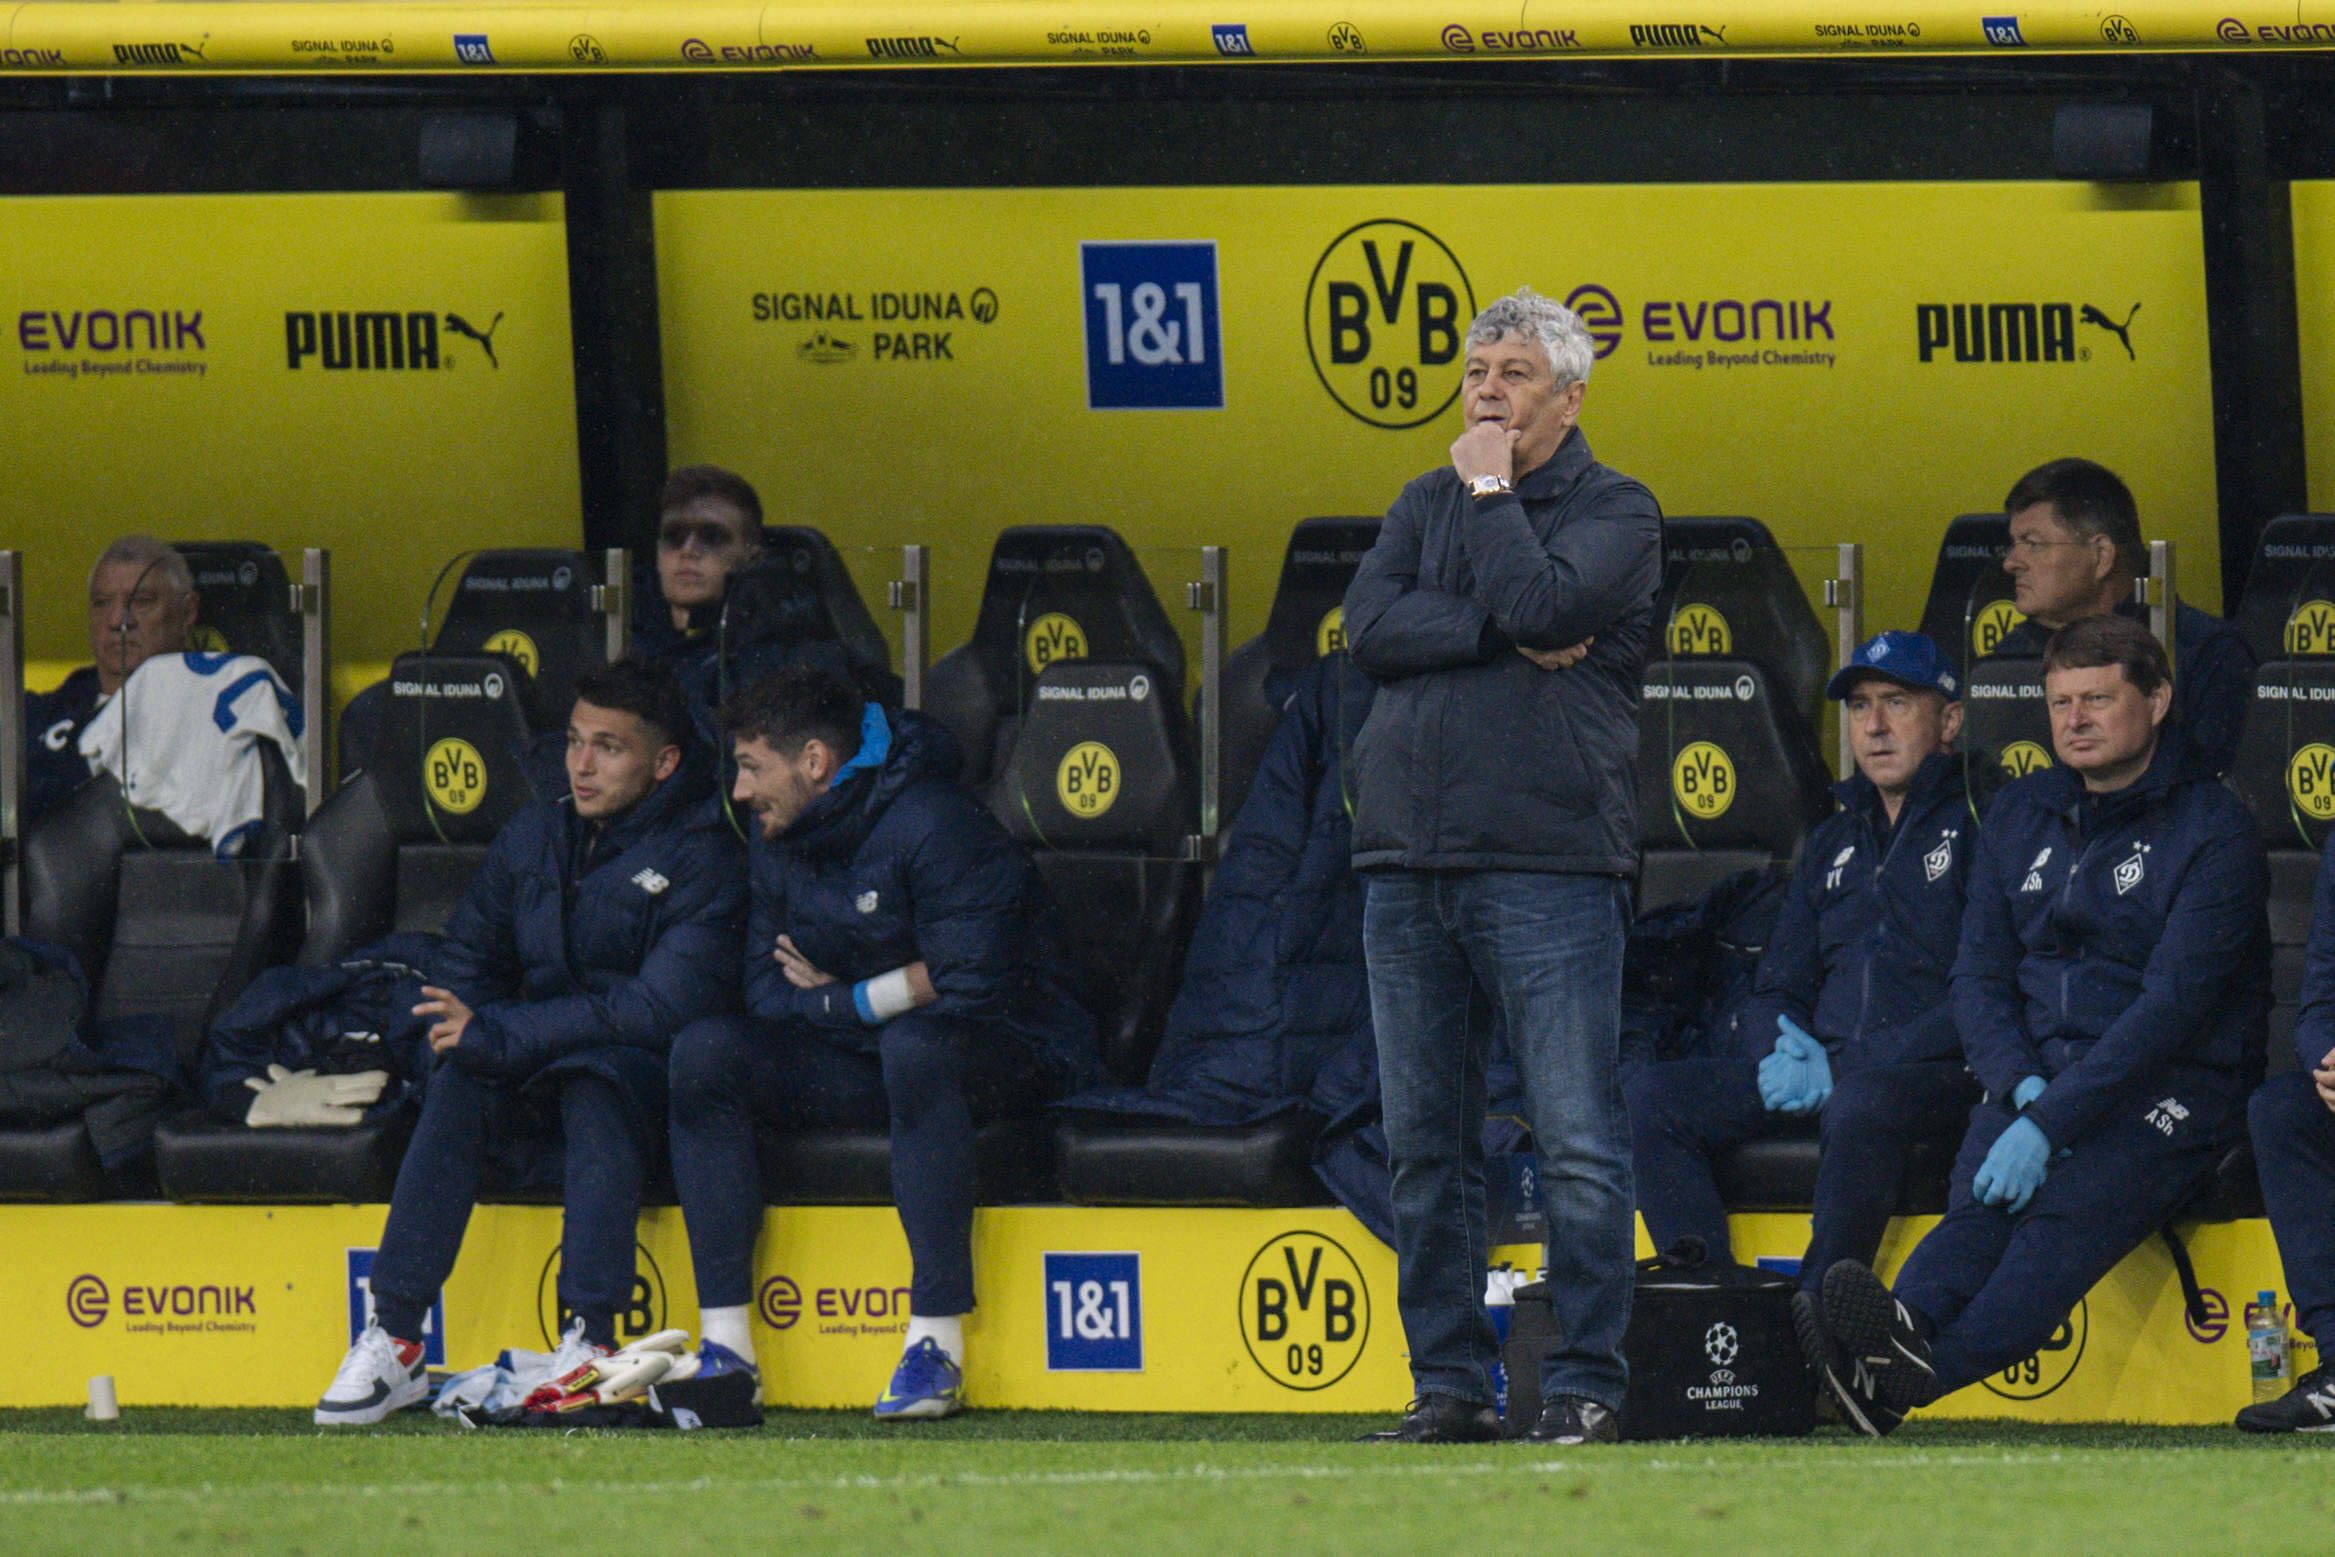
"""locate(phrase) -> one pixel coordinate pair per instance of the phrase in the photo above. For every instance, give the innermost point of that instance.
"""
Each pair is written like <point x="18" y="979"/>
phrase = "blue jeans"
<point x="1546" y="951"/>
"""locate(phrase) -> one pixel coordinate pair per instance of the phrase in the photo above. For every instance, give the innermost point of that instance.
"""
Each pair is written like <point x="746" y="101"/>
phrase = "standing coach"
<point x="1505" y="612"/>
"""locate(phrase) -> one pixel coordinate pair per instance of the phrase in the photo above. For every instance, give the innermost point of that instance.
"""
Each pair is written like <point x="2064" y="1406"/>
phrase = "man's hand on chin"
<point x="1486" y="449"/>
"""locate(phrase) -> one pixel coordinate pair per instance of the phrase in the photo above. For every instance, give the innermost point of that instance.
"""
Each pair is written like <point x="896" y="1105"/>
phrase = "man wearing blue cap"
<point x="1848" y="1033"/>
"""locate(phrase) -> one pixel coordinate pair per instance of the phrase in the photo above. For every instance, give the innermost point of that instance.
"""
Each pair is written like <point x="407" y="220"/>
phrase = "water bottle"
<point x="2266" y="1347"/>
<point x="1500" y="1305"/>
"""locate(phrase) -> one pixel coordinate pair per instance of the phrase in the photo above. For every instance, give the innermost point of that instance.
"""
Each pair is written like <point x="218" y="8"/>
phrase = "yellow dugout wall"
<point x="159" y="378"/>
<point x="1784" y="351"/>
<point x="1081" y="1308"/>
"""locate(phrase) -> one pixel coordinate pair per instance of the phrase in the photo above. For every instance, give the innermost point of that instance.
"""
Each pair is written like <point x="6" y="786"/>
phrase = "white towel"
<point x="193" y="723"/>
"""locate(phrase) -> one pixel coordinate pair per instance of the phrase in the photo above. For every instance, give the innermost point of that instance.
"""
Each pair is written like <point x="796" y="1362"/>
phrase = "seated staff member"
<point x="903" y="967"/>
<point x="2111" y="992"/>
<point x="2293" y="1120"/>
<point x="598" y="926"/>
<point x="142" y="602"/>
<point x="2075" y="550"/>
<point x="1851" y="997"/>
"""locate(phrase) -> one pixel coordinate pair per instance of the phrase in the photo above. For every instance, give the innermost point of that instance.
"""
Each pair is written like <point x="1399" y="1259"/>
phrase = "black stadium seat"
<point x="2288" y="608"/>
<point x="1137" y="1162"/>
<point x="1729" y="592"/>
<point x="1969" y="605"/>
<point x="393" y="849"/>
<point x="1054" y="592"/>
<point x="1101" y="787"/>
<point x="1727" y="777"/>
<point x="244" y="604"/>
<point x="2005" y="727"/>
<point x="2285" y="772"/>
<point x="158" y="926"/>
<point x="535" y="605"/>
<point x="1307" y="621"/>
<point x="843" y="615"/>
<point x="1779" y="1174"/>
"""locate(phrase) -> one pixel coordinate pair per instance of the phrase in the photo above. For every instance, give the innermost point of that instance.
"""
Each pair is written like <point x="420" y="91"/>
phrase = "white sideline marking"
<point x="937" y="1481"/>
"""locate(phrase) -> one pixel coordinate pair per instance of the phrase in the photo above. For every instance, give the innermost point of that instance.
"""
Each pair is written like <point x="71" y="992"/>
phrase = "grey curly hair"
<point x="1558" y="329"/>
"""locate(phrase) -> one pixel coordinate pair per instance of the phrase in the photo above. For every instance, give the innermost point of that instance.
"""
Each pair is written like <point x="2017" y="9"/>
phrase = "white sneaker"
<point x="372" y="1382"/>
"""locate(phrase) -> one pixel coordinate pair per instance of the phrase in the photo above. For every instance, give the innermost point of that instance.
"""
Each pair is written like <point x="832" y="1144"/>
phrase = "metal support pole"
<point x="613" y="600"/>
<point x="911" y="596"/>
<point x="2158" y="594"/>
<point x="11" y="736"/>
<point x="312" y="598"/>
<point x="1206" y="595"/>
<point x="1846" y="596"/>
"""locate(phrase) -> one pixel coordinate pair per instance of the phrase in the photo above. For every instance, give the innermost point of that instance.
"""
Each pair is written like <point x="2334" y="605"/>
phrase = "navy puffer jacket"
<point x="1864" y="944"/>
<point x="1274" y="982"/>
<point x="2116" y="944"/>
<point x="897" y="863"/>
<point x="586" y="947"/>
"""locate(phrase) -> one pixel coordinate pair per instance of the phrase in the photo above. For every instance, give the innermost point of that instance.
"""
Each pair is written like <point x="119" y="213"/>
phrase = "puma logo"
<point x="458" y="325"/>
<point x="2122" y="332"/>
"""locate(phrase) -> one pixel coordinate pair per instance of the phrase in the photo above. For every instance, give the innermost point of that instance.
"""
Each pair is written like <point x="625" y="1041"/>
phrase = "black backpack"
<point x="1710" y="1346"/>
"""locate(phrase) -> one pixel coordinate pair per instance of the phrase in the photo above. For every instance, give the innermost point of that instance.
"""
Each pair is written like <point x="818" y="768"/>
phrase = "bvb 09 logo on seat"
<point x="1087" y="780"/>
<point x="1052" y="637"/>
<point x="1329" y="635"/>
<point x="517" y="645"/>
<point x="2310" y="781"/>
<point x="454" y="774"/>
<point x="1992" y="623"/>
<point x="1703" y="780"/>
<point x="1304" y="1311"/>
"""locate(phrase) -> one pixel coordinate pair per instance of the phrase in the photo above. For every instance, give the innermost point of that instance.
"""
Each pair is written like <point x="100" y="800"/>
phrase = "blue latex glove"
<point x="1795" y="1078"/>
<point x="2014" y="1167"/>
<point x="2026" y="1092"/>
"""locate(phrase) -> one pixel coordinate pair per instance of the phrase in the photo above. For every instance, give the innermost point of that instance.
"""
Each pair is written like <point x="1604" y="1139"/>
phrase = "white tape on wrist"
<point x="889" y="995"/>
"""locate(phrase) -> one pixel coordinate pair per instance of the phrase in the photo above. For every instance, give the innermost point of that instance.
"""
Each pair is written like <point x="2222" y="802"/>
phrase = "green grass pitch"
<point x="266" y="1481"/>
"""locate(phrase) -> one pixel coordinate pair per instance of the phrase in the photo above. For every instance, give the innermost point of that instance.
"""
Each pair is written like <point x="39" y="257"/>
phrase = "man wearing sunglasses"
<point x="709" y="526"/>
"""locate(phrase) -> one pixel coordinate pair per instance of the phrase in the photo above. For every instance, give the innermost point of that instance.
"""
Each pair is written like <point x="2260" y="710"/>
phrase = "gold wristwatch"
<point x="1490" y="486"/>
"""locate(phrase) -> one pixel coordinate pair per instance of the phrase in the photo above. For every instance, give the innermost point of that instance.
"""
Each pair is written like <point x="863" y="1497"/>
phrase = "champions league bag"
<point x="1710" y="1346"/>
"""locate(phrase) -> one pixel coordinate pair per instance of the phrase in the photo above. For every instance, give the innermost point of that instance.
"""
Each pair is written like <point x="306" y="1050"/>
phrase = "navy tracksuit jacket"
<point x="1859" y="957"/>
<point x="582" y="949"/>
<point x="2116" y="946"/>
<point x="2294" y="1137"/>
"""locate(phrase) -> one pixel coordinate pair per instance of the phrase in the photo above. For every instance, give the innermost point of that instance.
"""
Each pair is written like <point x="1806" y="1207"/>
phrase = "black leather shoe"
<point x="1571" y="1419"/>
<point x="1441" y="1419"/>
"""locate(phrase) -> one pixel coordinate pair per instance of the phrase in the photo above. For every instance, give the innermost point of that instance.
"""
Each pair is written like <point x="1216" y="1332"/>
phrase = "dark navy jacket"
<point x="1474" y="758"/>
<point x="588" y="946"/>
<point x="1864" y="944"/>
<point x="1274" y="983"/>
<point x="896" y="863"/>
<point x="2314" y="1018"/>
<point x="53" y="722"/>
<point x="352" y="1015"/>
<point x="2213" y="675"/>
<point x="2116" y="945"/>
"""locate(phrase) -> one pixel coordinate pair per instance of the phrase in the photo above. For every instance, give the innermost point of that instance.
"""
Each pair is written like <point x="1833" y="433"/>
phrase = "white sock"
<point x="948" y="1334"/>
<point x="728" y="1327"/>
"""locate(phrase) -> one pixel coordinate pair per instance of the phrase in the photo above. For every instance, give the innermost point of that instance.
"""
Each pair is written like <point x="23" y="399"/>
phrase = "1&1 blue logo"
<point x="361" y="1309"/>
<point x="1094" y="1313"/>
<point x="1232" y="38"/>
<point x="2003" y="32"/>
<point x="1153" y="331"/>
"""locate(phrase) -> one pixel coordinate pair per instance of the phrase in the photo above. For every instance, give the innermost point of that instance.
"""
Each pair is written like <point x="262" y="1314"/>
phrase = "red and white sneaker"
<point x="378" y="1376"/>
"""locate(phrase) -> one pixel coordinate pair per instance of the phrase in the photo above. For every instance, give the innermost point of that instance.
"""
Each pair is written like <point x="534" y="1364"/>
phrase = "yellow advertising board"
<point x="558" y="35"/>
<point x="385" y="375"/>
<point x="2313" y="210"/>
<point x="1209" y="365"/>
<point x="1081" y="1308"/>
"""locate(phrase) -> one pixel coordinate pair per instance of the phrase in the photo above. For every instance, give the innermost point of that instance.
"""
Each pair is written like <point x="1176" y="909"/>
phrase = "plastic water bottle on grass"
<point x="1500" y="1306"/>
<point x="2266" y="1347"/>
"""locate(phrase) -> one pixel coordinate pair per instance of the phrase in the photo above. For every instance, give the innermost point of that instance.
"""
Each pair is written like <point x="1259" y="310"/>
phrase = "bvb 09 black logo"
<point x="1385" y="314"/>
<point x="2054" y="1362"/>
<point x="1304" y="1311"/>
<point x="643" y="1313"/>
